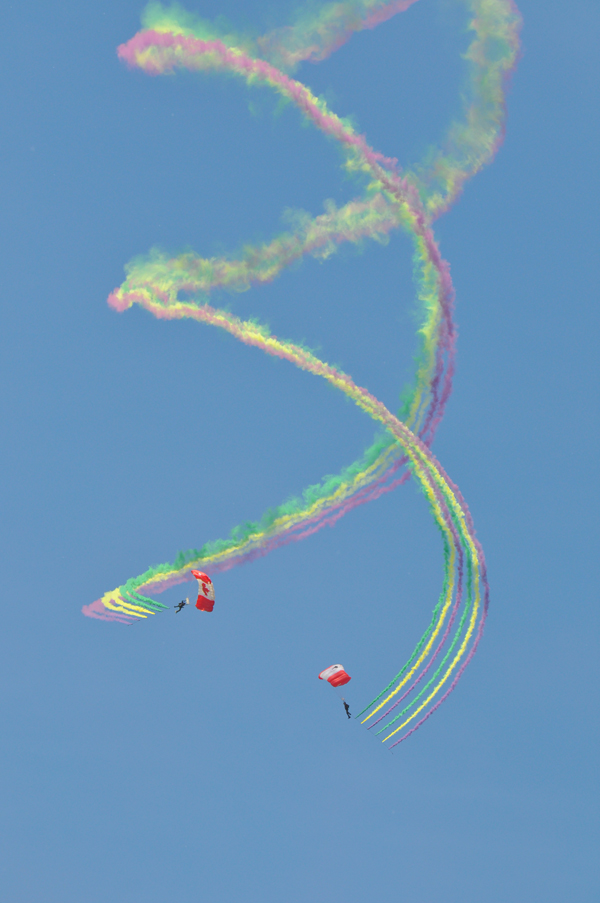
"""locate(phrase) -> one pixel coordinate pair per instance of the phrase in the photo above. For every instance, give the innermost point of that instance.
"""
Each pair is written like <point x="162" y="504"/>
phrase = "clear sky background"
<point x="197" y="757"/>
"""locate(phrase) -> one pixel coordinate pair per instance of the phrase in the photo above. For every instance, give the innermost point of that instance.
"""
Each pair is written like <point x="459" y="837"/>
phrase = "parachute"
<point x="335" y="675"/>
<point x="206" y="591"/>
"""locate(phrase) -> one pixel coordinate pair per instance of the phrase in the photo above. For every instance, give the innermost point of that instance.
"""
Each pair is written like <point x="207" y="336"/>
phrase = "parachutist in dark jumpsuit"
<point x="347" y="707"/>
<point x="180" y="606"/>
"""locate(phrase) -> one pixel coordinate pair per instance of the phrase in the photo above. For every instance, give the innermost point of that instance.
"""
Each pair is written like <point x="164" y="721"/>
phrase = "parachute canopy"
<point x="335" y="675"/>
<point x="206" y="591"/>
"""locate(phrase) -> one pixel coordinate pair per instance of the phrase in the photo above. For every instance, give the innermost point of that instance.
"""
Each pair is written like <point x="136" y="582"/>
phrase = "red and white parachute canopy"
<point x="335" y="675"/>
<point x="206" y="592"/>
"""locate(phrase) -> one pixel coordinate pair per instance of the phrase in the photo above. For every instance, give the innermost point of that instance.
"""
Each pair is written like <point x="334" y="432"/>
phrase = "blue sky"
<point x="198" y="758"/>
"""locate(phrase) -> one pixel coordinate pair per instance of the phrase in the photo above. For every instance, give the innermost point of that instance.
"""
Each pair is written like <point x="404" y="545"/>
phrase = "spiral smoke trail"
<point x="411" y="200"/>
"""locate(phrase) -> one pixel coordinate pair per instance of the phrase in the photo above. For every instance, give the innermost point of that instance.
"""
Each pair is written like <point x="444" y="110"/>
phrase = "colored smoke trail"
<point x="412" y="200"/>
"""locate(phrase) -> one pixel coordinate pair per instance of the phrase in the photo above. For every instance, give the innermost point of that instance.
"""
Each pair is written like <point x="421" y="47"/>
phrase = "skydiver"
<point x="181" y="605"/>
<point x="347" y="707"/>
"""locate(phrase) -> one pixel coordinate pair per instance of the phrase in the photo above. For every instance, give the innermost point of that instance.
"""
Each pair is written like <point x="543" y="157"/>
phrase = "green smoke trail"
<point x="175" y="39"/>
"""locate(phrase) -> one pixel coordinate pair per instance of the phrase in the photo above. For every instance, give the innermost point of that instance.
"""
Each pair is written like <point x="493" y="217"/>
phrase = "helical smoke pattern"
<point x="411" y="200"/>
